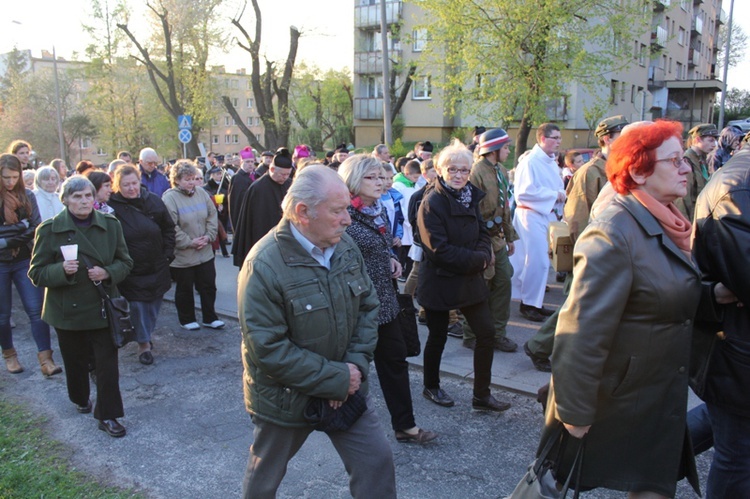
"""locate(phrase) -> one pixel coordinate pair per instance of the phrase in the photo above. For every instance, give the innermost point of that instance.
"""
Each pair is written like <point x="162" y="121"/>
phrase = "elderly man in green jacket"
<point x="308" y="313"/>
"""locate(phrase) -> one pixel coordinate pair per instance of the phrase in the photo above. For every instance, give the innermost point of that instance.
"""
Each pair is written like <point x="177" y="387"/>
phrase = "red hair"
<point x="635" y="150"/>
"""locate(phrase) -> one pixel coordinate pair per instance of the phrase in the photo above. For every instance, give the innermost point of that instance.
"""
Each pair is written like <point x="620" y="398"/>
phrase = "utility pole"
<point x="57" y="107"/>
<point x="726" y="65"/>
<point x="386" y="76"/>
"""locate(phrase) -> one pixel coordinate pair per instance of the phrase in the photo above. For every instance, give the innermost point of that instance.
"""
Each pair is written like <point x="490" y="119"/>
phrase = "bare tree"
<point x="271" y="90"/>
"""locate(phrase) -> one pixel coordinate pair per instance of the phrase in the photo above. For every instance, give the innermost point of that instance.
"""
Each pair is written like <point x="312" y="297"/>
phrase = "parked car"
<point x="744" y="125"/>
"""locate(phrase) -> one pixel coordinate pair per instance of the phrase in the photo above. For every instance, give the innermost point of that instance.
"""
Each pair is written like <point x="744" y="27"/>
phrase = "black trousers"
<point x="480" y="319"/>
<point x="75" y="348"/>
<point x="393" y="373"/>
<point x="203" y="277"/>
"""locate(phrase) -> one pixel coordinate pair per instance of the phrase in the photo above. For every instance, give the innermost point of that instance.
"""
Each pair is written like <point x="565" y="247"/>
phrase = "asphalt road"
<point x="188" y="432"/>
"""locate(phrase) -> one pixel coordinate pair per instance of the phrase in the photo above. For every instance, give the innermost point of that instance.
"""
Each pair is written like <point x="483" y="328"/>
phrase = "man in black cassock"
<point x="261" y="208"/>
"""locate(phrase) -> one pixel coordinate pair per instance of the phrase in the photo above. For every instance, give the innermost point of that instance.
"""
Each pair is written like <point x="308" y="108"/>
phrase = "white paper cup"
<point x="70" y="252"/>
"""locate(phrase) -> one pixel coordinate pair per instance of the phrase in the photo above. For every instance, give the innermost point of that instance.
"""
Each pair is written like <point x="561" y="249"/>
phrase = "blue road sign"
<point x="185" y="136"/>
<point x="185" y="122"/>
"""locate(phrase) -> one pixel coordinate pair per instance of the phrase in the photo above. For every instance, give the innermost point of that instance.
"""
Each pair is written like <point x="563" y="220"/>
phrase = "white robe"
<point x="537" y="186"/>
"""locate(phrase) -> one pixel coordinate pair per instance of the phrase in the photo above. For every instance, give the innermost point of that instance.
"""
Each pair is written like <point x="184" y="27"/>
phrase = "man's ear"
<point x="303" y="213"/>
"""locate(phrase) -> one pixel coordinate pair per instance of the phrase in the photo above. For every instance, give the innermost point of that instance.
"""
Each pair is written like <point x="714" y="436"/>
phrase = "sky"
<point x="327" y="28"/>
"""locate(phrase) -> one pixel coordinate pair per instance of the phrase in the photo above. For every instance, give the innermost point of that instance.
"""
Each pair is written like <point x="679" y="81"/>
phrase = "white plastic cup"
<point x="70" y="252"/>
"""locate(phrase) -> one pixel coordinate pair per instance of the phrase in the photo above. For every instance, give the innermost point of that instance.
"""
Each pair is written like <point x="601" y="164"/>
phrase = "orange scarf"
<point x="674" y="223"/>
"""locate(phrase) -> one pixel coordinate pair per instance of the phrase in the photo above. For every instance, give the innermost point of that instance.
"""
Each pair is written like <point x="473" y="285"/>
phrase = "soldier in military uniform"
<point x="582" y="191"/>
<point x="589" y="179"/>
<point x="701" y="141"/>
<point x="490" y="176"/>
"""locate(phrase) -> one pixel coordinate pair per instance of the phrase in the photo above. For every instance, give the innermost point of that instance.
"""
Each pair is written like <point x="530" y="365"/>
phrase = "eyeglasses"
<point x="676" y="162"/>
<point x="374" y="178"/>
<point x="456" y="171"/>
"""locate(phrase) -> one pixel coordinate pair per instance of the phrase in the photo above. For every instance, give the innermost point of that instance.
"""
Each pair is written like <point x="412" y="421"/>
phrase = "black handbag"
<point x="322" y="417"/>
<point x="117" y="312"/>
<point x="407" y="321"/>
<point x="538" y="482"/>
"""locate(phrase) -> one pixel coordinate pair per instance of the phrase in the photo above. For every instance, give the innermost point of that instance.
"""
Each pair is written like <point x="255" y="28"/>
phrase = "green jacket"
<point x="301" y="323"/>
<point x="696" y="181"/>
<point x="484" y="176"/>
<point x="72" y="302"/>
<point x="582" y="191"/>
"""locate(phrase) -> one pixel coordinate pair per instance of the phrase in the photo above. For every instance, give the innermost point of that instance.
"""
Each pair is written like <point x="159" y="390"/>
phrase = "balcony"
<point x="697" y="27"/>
<point x="655" y="78"/>
<point x="723" y="18"/>
<point x="371" y="62"/>
<point x="660" y="5"/>
<point x="368" y="16"/>
<point x="368" y="108"/>
<point x="658" y="37"/>
<point x="694" y="58"/>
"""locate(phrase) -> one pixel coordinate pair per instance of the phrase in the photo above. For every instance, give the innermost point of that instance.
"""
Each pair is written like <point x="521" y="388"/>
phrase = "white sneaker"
<point x="190" y="326"/>
<point x="217" y="324"/>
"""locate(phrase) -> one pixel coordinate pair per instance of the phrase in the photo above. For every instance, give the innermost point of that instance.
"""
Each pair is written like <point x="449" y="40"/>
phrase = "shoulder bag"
<point x="117" y="312"/>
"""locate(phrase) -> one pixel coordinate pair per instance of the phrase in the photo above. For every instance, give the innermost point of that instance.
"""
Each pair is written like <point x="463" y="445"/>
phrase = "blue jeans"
<point x="699" y="426"/>
<point x="32" y="299"/>
<point x="144" y="315"/>
<point x="730" y="470"/>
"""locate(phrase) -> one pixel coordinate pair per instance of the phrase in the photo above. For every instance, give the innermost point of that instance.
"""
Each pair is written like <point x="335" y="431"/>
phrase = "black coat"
<point x="376" y="250"/>
<point x="456" y="247"/>
<point x="721" y="248"/>
<point x="213" y="188"/>
<point x="150" y="236"/>
<point x="260" y="212"/>
<point x="238" y="187"/>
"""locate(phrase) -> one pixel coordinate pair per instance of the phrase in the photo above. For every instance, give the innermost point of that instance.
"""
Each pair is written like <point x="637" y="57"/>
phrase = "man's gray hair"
<point x="74" y="184"/>
<point x="380" y="149"/>
<point x="45" y="173"/>
<point x="310" y="187"/>
<point x="147" y="153"/>
<point x="354" y="169"/>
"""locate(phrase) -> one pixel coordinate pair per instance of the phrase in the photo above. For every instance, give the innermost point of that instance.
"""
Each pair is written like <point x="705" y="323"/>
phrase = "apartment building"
<point x="223" y="135"/>
<point x="672" y="74"/>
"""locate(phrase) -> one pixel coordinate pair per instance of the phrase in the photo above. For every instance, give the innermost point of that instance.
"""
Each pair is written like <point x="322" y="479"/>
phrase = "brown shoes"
<point x="47" y="364"/>
<point x="11" y="361"/>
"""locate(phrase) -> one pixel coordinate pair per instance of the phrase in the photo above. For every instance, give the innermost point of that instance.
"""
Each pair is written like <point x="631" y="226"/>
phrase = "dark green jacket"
<point x="301" y="324"/>
<point x="72" y="302"/>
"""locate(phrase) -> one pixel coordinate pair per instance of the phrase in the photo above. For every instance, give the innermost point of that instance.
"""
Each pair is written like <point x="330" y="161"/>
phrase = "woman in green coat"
<point x="72" y="304"/>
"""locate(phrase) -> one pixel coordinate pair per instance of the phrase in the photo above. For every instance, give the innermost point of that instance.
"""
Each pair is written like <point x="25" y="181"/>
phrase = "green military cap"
<point x="703" y="130"/>
<point x="610" y="125"/>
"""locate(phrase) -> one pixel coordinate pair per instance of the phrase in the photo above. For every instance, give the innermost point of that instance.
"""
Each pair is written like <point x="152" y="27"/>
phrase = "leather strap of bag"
<point x="99" y="287"/>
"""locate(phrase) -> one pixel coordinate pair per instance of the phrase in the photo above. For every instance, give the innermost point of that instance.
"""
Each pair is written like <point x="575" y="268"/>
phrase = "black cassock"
<point x="260" y="212"/>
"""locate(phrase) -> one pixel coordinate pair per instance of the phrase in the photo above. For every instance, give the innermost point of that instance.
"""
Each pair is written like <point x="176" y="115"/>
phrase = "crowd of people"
<point x="324" y="246"/>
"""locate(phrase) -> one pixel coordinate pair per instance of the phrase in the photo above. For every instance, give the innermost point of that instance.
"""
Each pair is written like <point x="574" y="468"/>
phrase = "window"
<point x="226" y="139"/>
<point x="632" y="94"/>
<point x="419" y="37"/>
<point x="421" y="88"/>
<point x="681" y="37"/>
<point x="371" y="87"/>
<point x="215" y="121"/>
<point x="257" y="121"/>
<point x="235" y="102"/>
<point x="249" y="103"/>
<point x="612" y="91"/>
<point x="226" y="120"/>
<point x="623" y="90"/>
<point x="670" y="65"/>
<point x="235" y="84"/>
<point x="235" y="139"/>
<point x="636" y="54"/>
<point x="84" y="143"/>
<point x="249" y="121"/>
<point x="101" y="152"/>
<point x="679" y="67"/>
<point x="249" y="84"/>
<point x="215" y="139"/>
<point x="257" y="137"/>
<point x="642" y="55"/>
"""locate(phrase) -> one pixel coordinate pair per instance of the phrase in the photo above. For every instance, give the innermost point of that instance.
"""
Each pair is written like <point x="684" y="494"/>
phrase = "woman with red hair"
<point x="622" y="344"/>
